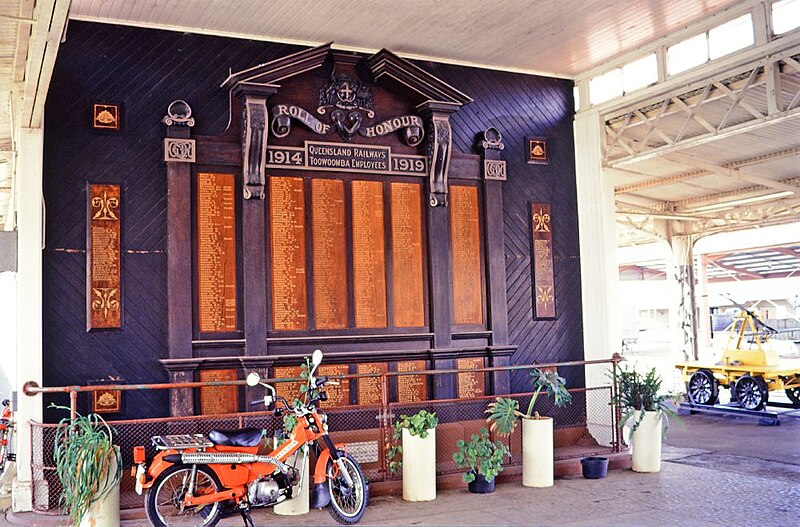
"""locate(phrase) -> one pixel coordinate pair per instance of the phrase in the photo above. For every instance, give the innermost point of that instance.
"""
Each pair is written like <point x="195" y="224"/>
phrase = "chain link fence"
<point x="587" y="426"/>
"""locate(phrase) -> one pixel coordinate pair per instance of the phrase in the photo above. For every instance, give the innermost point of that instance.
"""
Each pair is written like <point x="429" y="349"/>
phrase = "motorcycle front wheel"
<point x="164" y="499"/>
<point x="347" y="503"/>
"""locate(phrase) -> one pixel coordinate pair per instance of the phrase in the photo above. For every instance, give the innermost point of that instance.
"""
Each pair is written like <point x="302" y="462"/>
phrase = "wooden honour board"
<point x="330" y="259"/>
<point x="369" y="388"/>
<point x="407" y="293"/>
<point x="471" y="384"/>
<point x="337" y="395"/>
<point x="544" y="294"/>
<point x="218" y="399"/>
<point x="369" y="258"/>
<point x="466" y="249"/>
<point x="288" y="253"/>
<point x="103" y="254"/>
<point x="216" y="252"/>
<point x="411" y="388"/>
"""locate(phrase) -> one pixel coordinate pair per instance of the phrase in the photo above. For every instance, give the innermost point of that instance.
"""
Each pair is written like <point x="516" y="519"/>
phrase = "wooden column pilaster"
<point x="254" y="250"/>
<point x="179" y="154"/>
<point x="490" y="147"/>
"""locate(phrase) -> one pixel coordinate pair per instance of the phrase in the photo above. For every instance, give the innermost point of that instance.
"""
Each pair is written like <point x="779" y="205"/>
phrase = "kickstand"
<point x="248" y="521"/>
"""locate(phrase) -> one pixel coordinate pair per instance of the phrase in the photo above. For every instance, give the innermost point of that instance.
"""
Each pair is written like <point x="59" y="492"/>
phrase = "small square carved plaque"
<point x="179" y="150"/>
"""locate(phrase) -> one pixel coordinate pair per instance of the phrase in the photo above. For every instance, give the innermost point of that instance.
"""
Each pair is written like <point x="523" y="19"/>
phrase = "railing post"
<point x="616" y="416"/>
<point x="73" y="403"/>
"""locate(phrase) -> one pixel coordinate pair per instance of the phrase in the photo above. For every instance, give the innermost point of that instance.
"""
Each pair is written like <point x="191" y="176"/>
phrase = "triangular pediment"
<point x="380" y="65"/>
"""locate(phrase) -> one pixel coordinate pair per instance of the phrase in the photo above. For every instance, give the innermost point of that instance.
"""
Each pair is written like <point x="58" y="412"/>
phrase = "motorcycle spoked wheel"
<point x="347" y="504"/>
<point x="162" y="502"/>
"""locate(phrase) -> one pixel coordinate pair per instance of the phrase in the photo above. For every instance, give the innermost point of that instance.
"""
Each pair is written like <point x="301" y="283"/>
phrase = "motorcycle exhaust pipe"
<point x="233" y="458"/>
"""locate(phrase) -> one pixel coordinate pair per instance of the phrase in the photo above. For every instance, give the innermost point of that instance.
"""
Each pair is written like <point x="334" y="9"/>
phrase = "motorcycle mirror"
<point x="316" y="358"/>
<point x="253" y="379"/>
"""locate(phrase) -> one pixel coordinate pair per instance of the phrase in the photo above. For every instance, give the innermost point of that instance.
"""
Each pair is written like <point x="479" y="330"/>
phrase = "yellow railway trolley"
<point x="750" y="368"/>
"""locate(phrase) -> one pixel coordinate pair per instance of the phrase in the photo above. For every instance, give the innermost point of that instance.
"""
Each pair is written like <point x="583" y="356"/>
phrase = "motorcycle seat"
<point x="239" y="437"/>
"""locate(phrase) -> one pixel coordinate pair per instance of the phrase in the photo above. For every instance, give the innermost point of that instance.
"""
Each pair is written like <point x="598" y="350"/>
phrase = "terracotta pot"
<point x="419" y="466"/>
<point x="646" y="444"/>
<point x="537" y="452"/>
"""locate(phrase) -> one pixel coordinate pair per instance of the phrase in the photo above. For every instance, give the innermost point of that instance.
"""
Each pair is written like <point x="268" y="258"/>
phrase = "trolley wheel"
<point x="703" y="387"/>
<point x="751" y="392"/>
<point x="794" y="395"/>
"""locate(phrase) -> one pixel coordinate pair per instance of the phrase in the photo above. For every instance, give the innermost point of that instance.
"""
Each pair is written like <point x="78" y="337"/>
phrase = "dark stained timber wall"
<point x="145" y="70"/>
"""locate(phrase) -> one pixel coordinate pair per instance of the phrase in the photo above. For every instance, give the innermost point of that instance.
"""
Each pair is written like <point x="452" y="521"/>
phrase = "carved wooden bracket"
<point x="439" y="148"/>
<point x="254" y="137"/>
<point x="254" y="146"/>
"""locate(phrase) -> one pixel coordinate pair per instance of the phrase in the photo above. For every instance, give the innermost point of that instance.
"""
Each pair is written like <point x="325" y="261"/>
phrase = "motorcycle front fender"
<point x="322" y="463"/>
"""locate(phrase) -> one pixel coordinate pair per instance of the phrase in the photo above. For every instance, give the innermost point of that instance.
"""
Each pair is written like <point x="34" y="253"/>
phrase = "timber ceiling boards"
<point x="558" y="37"/>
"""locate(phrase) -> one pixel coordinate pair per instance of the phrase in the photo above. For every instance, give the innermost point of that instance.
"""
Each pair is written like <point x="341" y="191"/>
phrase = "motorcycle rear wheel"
<point x="347" y="504"/>
<point x="163" y="499"/>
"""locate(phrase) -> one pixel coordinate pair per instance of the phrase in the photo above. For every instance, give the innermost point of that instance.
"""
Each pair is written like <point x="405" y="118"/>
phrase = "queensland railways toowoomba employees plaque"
<point x="346" y="158"/>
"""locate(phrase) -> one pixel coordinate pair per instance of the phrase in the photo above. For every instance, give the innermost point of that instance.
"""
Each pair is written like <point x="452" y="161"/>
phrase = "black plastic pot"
<point x="594" y="467"/>
<point x="480" y="486"/>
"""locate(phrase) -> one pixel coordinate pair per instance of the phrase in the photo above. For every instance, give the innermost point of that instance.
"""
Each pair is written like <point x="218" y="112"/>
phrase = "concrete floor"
<point x="716" y="471"/>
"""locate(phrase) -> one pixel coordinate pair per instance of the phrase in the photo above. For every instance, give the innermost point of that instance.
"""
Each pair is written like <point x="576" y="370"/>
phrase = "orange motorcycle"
<point x="195" y="480"/>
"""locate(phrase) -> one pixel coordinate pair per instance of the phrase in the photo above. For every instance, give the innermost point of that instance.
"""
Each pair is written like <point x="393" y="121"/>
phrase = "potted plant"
<point x="415" y="442"/>
<point x="537" y="430"/>
<point x="639" y="398"/>
<point x="483" y="458"/>
<point x="89" y="466"/>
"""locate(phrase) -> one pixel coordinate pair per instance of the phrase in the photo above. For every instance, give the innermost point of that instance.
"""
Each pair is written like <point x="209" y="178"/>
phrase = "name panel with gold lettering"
<point x="369" y="388"/>
<point x="218" y="399"/>
<point x="471" y="384"/>
<point x="466" y="250"/>
<point x="411" y="388"/>
<point x="288" y="254"/>
<point x="216" y="252"/>
<point x="407" y="294"/>
<point x="330" y="259"/>
<point x="369" y="258"/>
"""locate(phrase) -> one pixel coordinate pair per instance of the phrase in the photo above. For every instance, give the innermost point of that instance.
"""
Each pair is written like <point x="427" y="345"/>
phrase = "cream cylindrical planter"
<point x="299" y="504"/>
<point x="104" y="511"/>
<point x="646" y="444"/>
<point x="537" y="452"/>
<point x="419" y="466"/>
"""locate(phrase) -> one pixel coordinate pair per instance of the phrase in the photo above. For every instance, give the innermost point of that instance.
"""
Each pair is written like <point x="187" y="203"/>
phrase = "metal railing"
<point x="588" y="426"/>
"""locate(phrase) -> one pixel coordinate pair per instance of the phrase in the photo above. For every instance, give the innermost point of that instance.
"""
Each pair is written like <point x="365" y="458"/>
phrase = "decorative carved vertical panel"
<point x="288" y="250"/>
<point x="216" y="252"/>
<point x="544" y="295"/>
<point x="407" y="294"/>
<point x="330" y="262"/>
<point x="218" y="399"/>
<point x="466" y="250"/>
<point x="103" y="258"/>
<point x="440" y="145"/>
<point x="369" y="258"/>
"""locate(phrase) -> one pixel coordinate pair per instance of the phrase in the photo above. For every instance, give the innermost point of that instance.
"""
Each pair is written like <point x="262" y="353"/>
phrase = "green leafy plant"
<point x="418" y="425"/>
<point x="84" y="453"/>
<point x="503" y="412"/>
<point x="637" y="394"/>
<point x="481" y="456"/>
